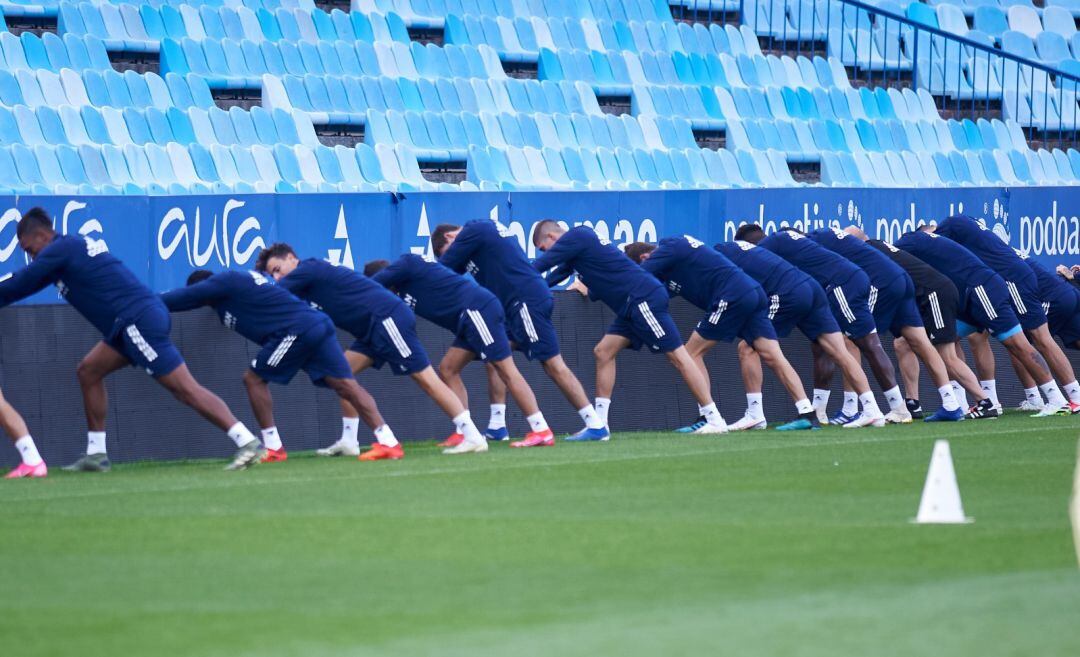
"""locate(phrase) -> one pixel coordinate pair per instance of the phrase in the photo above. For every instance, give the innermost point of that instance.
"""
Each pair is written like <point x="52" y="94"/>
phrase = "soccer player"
<point x="384" y="330"/>
<point x="496" y="261"/>
<point x="134" y="325"/>
<point x="476" y="319"/>
<point x="1023" y="288"/>
<point x="892" y="304"/>
<point x="736" y="307"/>
<point x="32" y="465"/>
<point x="938" y="303"/>
<point x="640" y="304"/>
<point x="985" y="303"/>
<point x="848" y="290"/>
<point x="796" y="299"/>
<point x="293" y="336"/>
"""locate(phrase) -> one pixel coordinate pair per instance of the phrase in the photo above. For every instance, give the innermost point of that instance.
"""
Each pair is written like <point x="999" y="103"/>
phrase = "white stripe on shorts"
<point x="395" y="337"/>
<point x="774" y="306"/>
<point x="1018" y="301"/>
<point x="935" y="310"/>
<point x="988" y="307"/>
<point x="282" y="349"/>
<point x="872" y="301"/>
<point x="140" y="343"/>
<point x="481" y="326"/>
<point x="841" y="299"/>
<point x="720" y="308"/>
<point x="526" y="319"/>
<point x="647" y="313"/>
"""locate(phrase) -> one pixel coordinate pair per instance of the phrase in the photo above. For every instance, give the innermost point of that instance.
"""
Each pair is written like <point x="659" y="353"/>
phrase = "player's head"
<point x="639" y="252"/>
<point x="277" y="260"/>
<point x="928" y="228"/>
<point x="857" y="232"/>
<point x="442" y="237"/>
<point x="375" y="266"/>
<point x="35" y="231"/>
<point x="750" y="233"/>
<point x="546" y="233"/>
<point x="198" y="276"/>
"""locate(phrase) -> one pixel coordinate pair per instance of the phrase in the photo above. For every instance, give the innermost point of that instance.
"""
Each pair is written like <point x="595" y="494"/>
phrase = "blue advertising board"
<point x="164" y="238"/>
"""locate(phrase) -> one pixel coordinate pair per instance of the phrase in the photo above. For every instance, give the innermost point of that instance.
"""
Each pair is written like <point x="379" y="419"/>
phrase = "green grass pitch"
<point x="764" y="543"/>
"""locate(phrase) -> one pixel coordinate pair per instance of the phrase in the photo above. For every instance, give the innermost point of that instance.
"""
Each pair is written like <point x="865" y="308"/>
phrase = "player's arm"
<point x="43" y="271"/>
<point x="298" y="280"/>
<point x="396" y="274"/>
<point x="201" y="294"/>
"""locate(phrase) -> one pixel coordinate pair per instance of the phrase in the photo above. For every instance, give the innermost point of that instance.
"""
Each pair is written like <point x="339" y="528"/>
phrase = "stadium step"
<point x="340" y="134"/>
<point x="440" y="172"/>
<point x="34" y="24"/>
<point x="722" y="16"/>
<point x="140" y="62"/>
<point x="426" y="35"/>
<point x="714" y="139"/>
<point x="615" y="105"/>
<point x="242" y="98"/>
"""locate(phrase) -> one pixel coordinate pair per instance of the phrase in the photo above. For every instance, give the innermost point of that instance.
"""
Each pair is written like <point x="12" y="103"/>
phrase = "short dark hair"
<point x="198" y="276"/>
<point x="375" y="266"/>
<point x="438" y="237"/>
<point x="544" y="226"/>
<point x="33" y="220"/>
<point x="792" y="229"/>
<point x="275" y="250"/>
<point x="749" y="231"/>
<point x="637" y="250"/>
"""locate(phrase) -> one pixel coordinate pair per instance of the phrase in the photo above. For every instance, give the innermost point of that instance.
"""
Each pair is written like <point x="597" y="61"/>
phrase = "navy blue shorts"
<point x="1064" y="319"/>
<point x="850" y="305"/>
<point x="145" y="342"/>
<point x="804" y="306"/>
<point x="316" y="351"/>
<point x="648" y="324"/>
<point x="895" y="306"/>
<point x="483" y="331"/>
<point x="988" y="306"/>
<point x="531" y="330"/>
<point x="939" y="309"/>
<point x="746" y="317"/>
<point x="1026" y="301"/>
<point x="392" y="339"/>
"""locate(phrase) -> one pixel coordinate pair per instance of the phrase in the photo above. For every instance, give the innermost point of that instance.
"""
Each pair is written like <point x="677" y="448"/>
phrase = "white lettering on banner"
<point x="227" y="252"/>
<point x="341" y="257"/>
<point x="1054" y="235"/>
<point x="12" y="216"/>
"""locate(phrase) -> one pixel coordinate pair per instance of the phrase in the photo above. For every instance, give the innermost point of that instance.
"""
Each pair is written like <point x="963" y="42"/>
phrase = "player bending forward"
<point x="384" y="330"/>
<point x="134" y="325"/>
<point x="640" y="303"/>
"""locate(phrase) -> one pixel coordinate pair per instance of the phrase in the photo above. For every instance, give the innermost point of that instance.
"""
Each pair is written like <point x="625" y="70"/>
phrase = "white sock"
<point x="28" y="450"/>
<point x="712" y="415"/>
<point x="895" y="399"/>
<point x="271" y="439"/>
<point x="95" y="442"/>
<point x="463" y="424"/>
<point x="497" y="420"/>
<point x="537" y="422"/>
<point x="240" y="434"/>
<point x="851" y="403"/>
<point x="869" y="404"/>
<point x="753" y="406"/>
<point x="961" y="394"/>
<point x="602" y="405"/>
<point x="990" y="389"/>
<point x="591" y="417"/>
<point x="385" y="436"/>
<point x="350" y="431"/>
<point x="1053" y="394"/>
<point x="948" y="399"/>
<point x="804" y="406"/>
<point x="1073" y="391"/>
<point x="821" y="398"/>
<point x="1033" y="395"/>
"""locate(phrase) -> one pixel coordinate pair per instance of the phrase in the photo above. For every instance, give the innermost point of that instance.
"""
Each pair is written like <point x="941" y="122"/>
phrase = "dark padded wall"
<point x="40" y="347"/>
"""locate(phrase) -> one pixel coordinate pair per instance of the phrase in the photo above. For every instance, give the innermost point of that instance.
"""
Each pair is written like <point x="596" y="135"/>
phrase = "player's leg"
<point x="919" y="342"/>
<point x="571" y="387"/>
<point x="442" y="395"/>
<point x="833" y="346"/>
<point x="605" y="352"/>
<point x="885" y="374"/>
<point x="450" y="368"/>
<point x="1033" y="400"/>
<point x="101" y="361"/>
<point x="14" y="426"/>
<point x="908" y="365"/>
<point x="985" y="368"/>
<point x="1057" y="361"/>
<point x="496" y="429"/>
<point x="770" y="352"/>
<point x="1019" y="347"/>
<point x="349" y="442"/>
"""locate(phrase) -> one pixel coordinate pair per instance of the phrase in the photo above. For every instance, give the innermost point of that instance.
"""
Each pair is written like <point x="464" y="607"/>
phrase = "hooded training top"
<point x="987" y="246"/>
<point x="496" y="261"/>
<point x="702" y="276"/>
<point x="351" y="299"/>
<point x="961" y="266"/>
<point x="778" y="276"/>
<point x="609" y="274"/>
<point x="100" y="287"/>
<point x="248" y="303"/>
<point x="432" y="290"/>
<point x="881" y="270"/>
<point x="823" y="265"/>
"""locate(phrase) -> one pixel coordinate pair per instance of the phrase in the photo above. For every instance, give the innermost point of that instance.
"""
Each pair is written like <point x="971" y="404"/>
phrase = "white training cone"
<point x="1074" y="506"/>
<point x="941" y="496"/>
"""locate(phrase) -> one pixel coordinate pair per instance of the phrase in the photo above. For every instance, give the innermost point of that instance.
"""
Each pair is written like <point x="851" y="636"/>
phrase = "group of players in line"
<point x="840" y="289"/>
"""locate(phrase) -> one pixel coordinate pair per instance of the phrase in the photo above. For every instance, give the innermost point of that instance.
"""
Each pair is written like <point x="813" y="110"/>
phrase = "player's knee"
<point x="86" y="373"/>
<point x="447" y="370"/>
